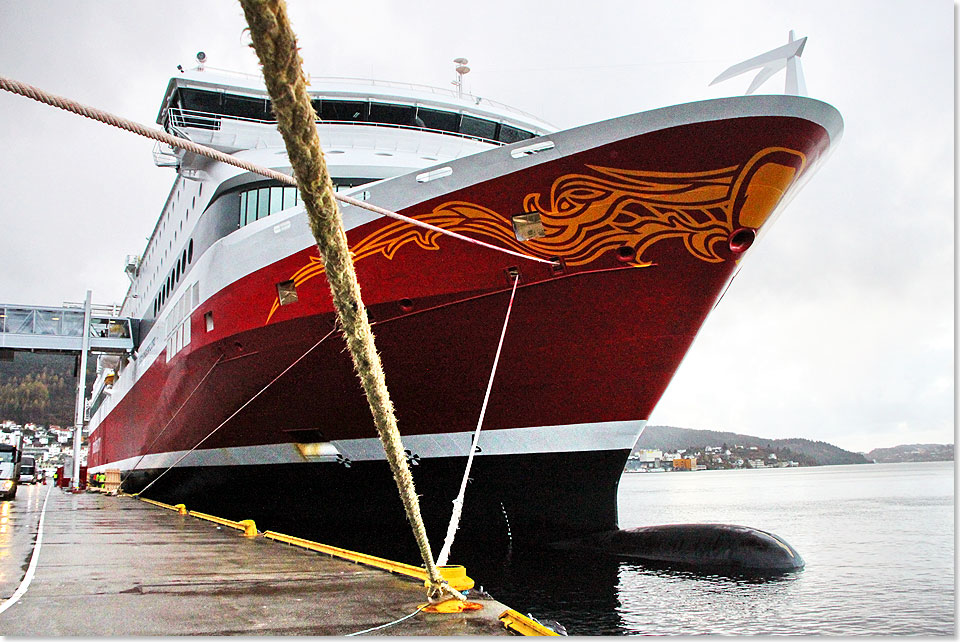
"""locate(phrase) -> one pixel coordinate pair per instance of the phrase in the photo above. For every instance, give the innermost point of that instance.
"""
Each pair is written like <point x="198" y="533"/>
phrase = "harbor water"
<point x="878" y="541"/>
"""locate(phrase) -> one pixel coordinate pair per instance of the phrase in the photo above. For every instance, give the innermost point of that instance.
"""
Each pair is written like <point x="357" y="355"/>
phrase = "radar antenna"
<point x="770" y="63"/>
<point x="461" y="69"/>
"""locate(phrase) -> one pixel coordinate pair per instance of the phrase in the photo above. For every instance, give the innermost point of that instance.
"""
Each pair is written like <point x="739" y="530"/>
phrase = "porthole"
<point x="741" y="239"/>
<point x="190" y="252"/>
<point x="625" y="253"/>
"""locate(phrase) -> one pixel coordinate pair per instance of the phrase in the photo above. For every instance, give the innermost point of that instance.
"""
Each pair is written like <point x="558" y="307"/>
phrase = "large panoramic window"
<point x="478" y="127"/>
<point x="260" y="202"/>
<point x="205" y="108"/>
<point x="263" y="201"/>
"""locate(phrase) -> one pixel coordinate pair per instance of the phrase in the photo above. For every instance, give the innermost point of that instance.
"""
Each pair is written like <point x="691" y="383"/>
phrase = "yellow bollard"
<point x="250" y="527"/>
<point x="456" y="577"/>
<point x="181" y="509"/>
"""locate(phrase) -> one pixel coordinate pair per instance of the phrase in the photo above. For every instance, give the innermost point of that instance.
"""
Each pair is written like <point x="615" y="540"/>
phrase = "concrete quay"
<point x="119" y="566"/>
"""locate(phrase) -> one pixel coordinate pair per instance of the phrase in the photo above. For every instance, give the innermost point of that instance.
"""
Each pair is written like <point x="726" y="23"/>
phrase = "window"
<point x="190" y="252"/>
<point x="441" y="120"/>
<point x="478" y="127"/>
<point x="196" y="100"/>
<point x="208" y="321"/>
<point x="276" y="199"/>
<point x="260" y="202"/>
<point x="393" y="114"/>
<point x="510" y="134"/>
<point x="343" y="110"/>
<point x="246" y="107"/>
<point x="263" y="202"/>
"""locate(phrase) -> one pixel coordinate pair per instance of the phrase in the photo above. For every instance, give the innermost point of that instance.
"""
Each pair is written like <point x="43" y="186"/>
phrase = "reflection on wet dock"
<point x="117" y="566"/>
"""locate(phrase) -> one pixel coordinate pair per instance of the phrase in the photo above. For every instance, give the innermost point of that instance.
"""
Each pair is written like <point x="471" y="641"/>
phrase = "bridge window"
<point x="442" y="120"/>
<point x="510" y="134"/>
<point x="393" y="114"/>
<point x="478" y="127"/>
<point x="343" y="110"/>
<point x="259" y="108"/>
<point x="246" y="107"/>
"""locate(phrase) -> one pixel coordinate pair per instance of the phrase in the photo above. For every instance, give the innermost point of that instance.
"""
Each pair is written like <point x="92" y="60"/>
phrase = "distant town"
<point x="668" y="448"/>
<point x="707" y="458"/>
<point x="51" y="446"/>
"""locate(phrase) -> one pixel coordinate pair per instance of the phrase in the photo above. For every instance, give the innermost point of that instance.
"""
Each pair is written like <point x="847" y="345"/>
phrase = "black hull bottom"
<point x="512" y="500"/>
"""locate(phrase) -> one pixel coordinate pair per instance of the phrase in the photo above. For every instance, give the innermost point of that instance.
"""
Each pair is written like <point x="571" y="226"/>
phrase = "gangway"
<point x="70" y="329"/>
<point x="60" y="330"/>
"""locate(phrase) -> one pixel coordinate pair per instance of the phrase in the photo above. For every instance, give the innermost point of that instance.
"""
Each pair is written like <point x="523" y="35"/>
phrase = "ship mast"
<point x="461" y="70"/>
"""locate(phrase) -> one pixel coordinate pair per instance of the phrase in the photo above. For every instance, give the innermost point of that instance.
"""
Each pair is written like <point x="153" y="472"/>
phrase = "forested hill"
<point x="669" y="438"/>
<point x="912" y="452"/>
<point x="40" y="388"/>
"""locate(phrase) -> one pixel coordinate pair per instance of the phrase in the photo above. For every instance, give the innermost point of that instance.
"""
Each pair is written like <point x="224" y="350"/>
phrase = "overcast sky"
<point x="839" y="326"/>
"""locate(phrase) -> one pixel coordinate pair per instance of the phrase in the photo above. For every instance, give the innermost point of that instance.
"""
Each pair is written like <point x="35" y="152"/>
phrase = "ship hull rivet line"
<point x="34" y="560"/>
<point x="276" y="46"/>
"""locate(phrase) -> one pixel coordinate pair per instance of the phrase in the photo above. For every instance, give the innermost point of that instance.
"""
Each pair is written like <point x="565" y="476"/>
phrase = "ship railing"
<point x="178" y="118"/>
<point x="103" y="309"/>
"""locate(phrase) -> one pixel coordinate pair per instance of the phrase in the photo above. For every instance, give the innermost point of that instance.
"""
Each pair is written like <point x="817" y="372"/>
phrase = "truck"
<point x="9" y="470"/>
<point x="28" y="470"/>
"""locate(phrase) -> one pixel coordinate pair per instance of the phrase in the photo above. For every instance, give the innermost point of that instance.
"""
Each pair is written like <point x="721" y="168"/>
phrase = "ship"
<point x="240" y="398"/>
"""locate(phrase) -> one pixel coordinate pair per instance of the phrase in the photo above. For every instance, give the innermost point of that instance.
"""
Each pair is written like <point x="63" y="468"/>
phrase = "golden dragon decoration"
<point x="587" y="215"/>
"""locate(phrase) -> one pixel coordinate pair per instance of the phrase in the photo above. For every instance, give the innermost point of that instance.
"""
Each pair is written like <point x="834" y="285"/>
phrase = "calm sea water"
<point x="878" y="541"/>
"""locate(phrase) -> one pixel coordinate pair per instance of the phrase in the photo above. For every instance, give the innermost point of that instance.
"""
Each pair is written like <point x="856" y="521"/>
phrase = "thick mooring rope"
<point x="29" y="91"/>
<point x="276" y="46"/>
<point x="458" y="502"/>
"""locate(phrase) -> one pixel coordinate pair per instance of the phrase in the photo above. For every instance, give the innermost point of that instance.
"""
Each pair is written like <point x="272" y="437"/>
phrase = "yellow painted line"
<point x="455" y="575"/>
<point x="518" y="623"/>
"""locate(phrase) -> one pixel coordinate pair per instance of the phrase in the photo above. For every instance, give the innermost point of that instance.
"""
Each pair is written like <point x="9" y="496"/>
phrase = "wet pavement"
<point x="118" y="566"/>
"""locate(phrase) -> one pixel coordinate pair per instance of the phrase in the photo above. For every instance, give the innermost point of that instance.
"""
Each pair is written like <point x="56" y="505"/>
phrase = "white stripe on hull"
<point x="612" y="435"/>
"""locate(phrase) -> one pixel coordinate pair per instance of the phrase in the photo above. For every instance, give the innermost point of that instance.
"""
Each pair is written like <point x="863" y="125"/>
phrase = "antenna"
<point x="461" y="69"/>
<point x="770" y="63"/>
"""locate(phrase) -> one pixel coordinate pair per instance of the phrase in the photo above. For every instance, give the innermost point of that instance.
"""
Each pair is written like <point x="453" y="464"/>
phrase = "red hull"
<point x="649" y="230"/>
